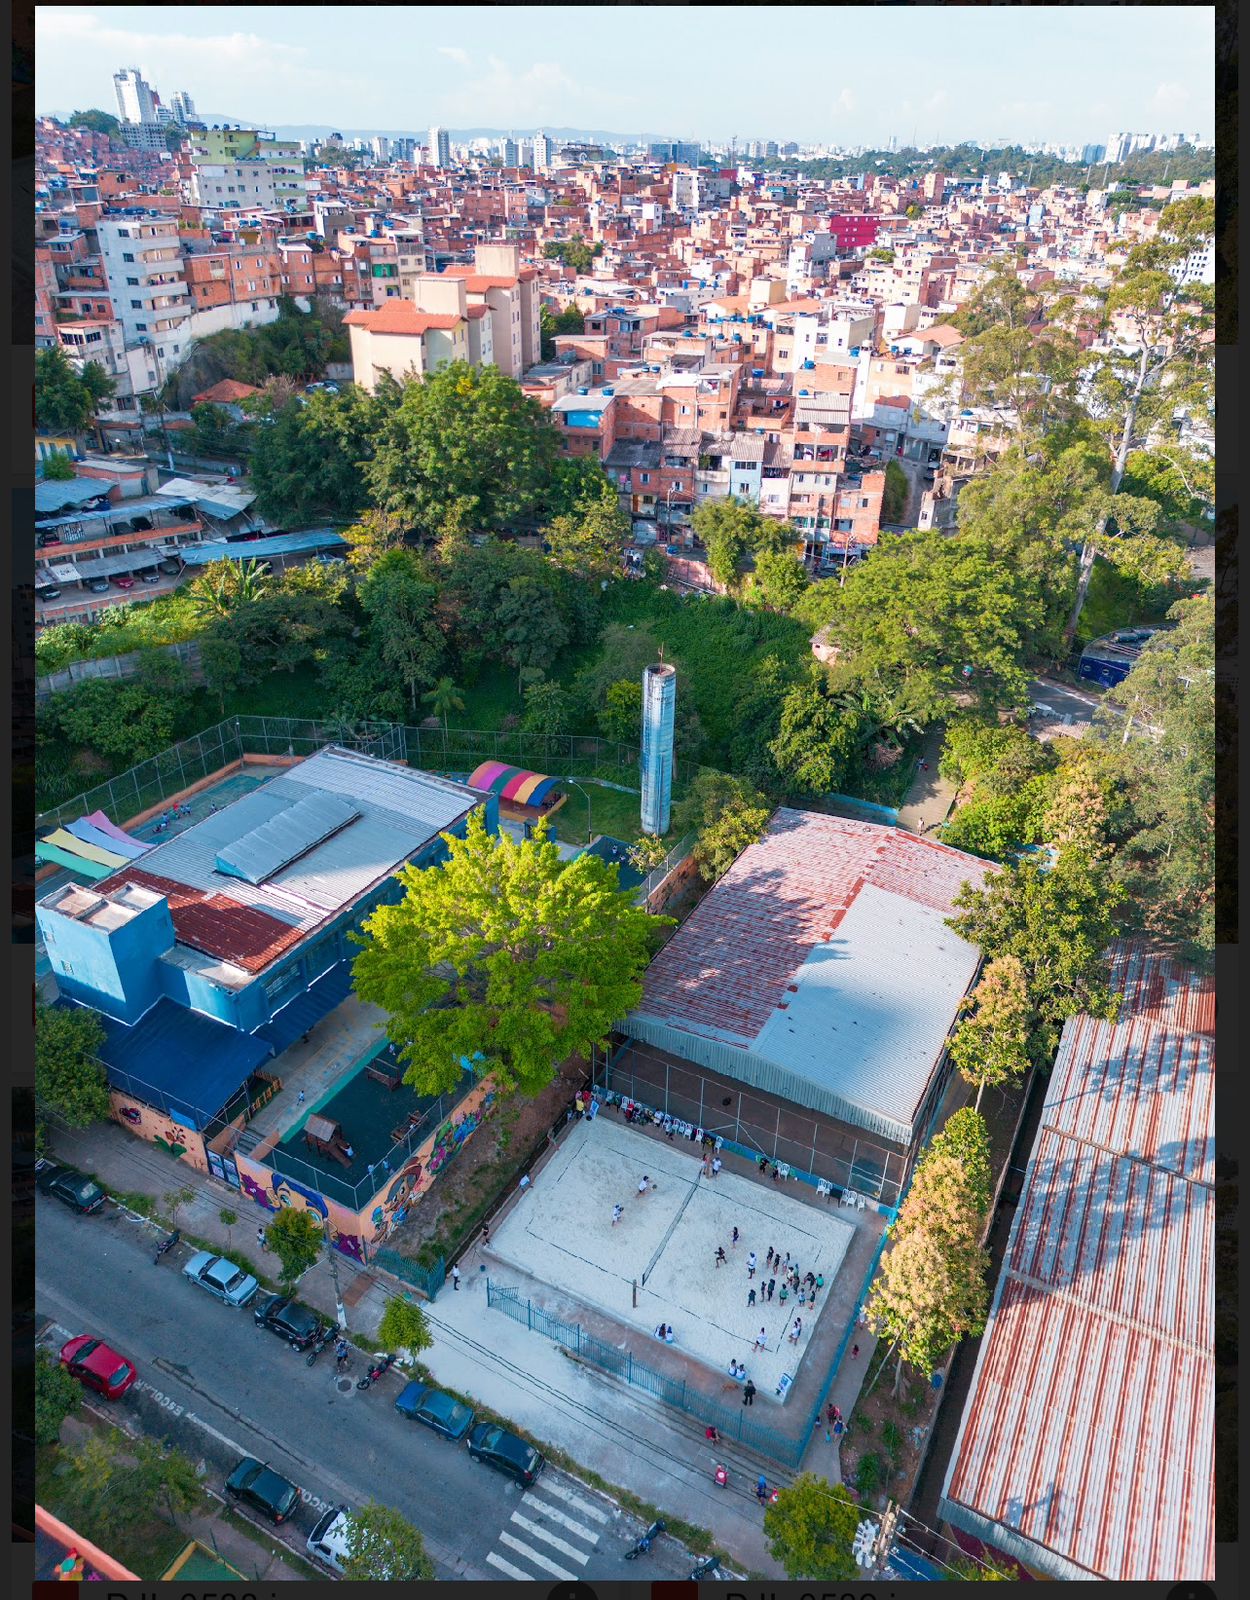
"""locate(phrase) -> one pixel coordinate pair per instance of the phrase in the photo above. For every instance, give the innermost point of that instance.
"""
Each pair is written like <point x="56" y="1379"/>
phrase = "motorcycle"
<point x="709" y="1568"/>
<point x="720" y="1477"/>
<point x="299" y="1344"/>
<point x="167" y="1244"/>
<point x="319" y="1344"/>
<point x="644" y="1544"/>
<point x="375" y="1372"/>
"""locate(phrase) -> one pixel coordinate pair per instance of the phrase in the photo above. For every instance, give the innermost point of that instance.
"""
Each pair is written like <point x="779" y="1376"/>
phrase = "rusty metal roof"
<point x="216" y="924"/>
<point x="1087" y="1443"/>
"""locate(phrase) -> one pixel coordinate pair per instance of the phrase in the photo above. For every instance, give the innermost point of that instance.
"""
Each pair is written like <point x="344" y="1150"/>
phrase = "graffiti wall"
<point x="171" y="1137"/>
<point x="273" y="1191"/>
<point x="417" y="1175"/>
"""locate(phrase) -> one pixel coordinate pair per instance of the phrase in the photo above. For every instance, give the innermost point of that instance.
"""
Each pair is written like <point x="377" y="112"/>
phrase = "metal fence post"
<point x="529" y="1315"/>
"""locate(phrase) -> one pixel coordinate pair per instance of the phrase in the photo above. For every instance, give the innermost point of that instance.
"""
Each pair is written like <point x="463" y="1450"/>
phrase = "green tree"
<point x="404" y="1326"/>
<point x="57" y="1396"/>
<point x="727" y="529"/>
<point x="58" y="468"/>
<point x="224" y="586"/>
<point x="118" y="1489"/>
<point x="647" y="852"/>
<point x="399" y="598"/>
<point x="986" y="1570"/>
<point x="590" y="543"/>
<point x="296" y="1238"/>
<point x="621" y="716"/>
<point x="779" y="580"/>
<point x="817" y="741"/>
<point x="374" y="535"/>
<point x="1158" y="730"/>
<point x="443" y="699"/>
<point x="1161" y="358"/>
<point x="98" y="121"/>
<point x="1020" y="351"/>
<point x="991" y="1045"/>
<point x="1180" y="482"/>
<point x="121" y="721"/>
<point x="308" y="462"/>
<point x="894" y="497"/>
<point x="881" y="254"/>
<point x="810" y="1529"/>
<point x="464" y="451"/>
<point x="553" y="323"/>
<point x="66" y="398"/>
<point x="725" y="814"/>
<point x="214" y="430"/>
<point x="1057" y="922"/>
<point x="530" y="624"/>
<point x="504" y="956"/>
<point x="384" y="1547"/>
<point x="547" y="709"/>
<point x="931" y="1290"/>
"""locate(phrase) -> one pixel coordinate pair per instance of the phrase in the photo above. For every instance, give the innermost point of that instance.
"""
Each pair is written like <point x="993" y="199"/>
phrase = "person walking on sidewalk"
<point x="715" y="1166"/>
<point x="455" y="1277"/>
<point x="761" y="1490"/>
<point x="260" y="1238"/>
<point x="734" y="1239"/>
<point x="748" y="1394"/>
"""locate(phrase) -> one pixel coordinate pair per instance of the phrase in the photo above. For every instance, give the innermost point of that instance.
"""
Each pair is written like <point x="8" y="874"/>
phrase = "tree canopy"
<point x="69" y="1079"/>
<point x="296" y="1238"/>
<point x="504" y="957"/>
<point x="810" y="1529"/>
<point x="308" y="461"/>
<point x="384" y="1547"/>
<point x="65" y="397"/>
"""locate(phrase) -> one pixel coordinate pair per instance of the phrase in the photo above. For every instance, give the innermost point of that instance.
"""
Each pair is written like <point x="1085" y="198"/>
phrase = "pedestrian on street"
<point x="768" y="1259"/>
<point x="644" y="1184"/>
<point x="706" y="1167"/>
<point x="784" y="1295"/>
<point x="772" y="1284"/>
<point x="761" y="1340"/>
<point x="751" y="1298"/>
<point x="748" y="1394"/>
<point x="839" y="1428"/>
<point x="618" y="1211"/>
<point x="854" y="1351"/>
<point x="715" y="1166"/>
<point x="485" y="1235"/>
<point x="776" y="1173"/>
<point x="455" y="1277"/>
<point x="300" y="1098"/>
<point x="820" y="1280"/>
<point x="761" y="1490"/>
<point x="736" y="1236"/>
<point x="720" y="1255"/>
<point x="260" y="1238"/>
<point x="751" y="1265"/>
<point x="787" y="1264"/>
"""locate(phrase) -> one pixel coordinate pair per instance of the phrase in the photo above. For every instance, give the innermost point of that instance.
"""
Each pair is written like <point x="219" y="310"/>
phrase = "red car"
<point x="124" y="583"/>
<point x="92" y="1362"/>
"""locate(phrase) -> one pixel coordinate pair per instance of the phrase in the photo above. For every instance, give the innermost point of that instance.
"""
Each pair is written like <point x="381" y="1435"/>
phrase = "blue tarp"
<point x="199" y="555"/>
<point x="180" y="1061"/>
<point x="308" y="1008"/>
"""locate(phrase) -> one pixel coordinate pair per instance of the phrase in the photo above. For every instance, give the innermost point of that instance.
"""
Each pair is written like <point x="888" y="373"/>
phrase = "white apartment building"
<point x="235" y="169"/>
<point x="142" y="259"/>
<point x="135" y="102"/>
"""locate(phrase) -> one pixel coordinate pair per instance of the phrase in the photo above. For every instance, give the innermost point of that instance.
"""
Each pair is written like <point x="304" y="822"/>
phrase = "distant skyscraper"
<point x="544" y="152"/>
<point x="440" y="147"/>
<point x="182" y="107"/>
<point x="659" y="700"/>
<point x="510" y="152"/>
<point x="381" y="146"/>
<point x="135" y="102"/>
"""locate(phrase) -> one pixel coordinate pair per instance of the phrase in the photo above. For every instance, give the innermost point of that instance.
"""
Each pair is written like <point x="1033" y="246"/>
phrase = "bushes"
<point x="168" y="620"/>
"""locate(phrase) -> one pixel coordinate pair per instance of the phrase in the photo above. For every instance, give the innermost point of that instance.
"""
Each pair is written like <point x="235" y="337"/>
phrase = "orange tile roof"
<point x="224" y="393"/>
<point x="402" y="317"/>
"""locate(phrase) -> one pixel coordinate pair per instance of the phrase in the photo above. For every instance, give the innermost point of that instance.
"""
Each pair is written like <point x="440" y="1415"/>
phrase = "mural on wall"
<point x="275" y="1191"/>
<point x="416" y="1176"/>
<point x="163" y="1129"/>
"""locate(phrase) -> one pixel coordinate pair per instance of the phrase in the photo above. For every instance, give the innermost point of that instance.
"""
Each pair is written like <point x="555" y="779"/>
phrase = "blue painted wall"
<point x="114" y="970"/>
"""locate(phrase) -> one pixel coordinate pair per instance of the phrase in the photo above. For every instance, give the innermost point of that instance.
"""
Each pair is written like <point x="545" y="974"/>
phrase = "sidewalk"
<point x="628" y="1439"/>
<point x="930" y="797"/>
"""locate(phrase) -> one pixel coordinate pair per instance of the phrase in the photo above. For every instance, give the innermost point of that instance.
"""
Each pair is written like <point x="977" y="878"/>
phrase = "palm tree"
<point x="224" y="586"/>
<point x="443" y="698"/>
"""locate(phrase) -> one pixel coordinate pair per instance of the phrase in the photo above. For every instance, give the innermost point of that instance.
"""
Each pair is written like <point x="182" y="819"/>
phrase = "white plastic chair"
<point x="783" y="1171"/>
<point x="847" y="1197"/>
<point x="823" y="1189"/>
<point x="861" y="1201"/>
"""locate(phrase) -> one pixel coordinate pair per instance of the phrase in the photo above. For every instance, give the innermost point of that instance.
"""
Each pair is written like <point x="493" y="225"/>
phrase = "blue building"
<point x="225" y="944"/>
<point x="1109" y="660"/>
<point x="659" y="702"/>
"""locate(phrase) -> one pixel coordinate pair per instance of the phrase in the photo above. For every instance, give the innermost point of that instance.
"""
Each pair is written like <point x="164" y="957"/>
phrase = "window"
<point x="142" y="327"/>
<point x="863" y="504"/>
<point x="644" y="477"/>
<point x="127" y="257"/>
<point x="136" y="305"/>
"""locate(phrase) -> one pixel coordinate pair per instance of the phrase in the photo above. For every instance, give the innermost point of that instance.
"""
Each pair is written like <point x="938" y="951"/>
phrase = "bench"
<point x="388" y="1073"/>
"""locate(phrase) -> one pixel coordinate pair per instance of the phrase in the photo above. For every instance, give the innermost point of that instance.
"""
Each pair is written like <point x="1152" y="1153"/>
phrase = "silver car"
<point x="221" y="1278"/>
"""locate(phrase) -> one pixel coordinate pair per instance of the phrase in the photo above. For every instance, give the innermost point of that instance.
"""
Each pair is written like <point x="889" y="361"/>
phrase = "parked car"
<point x="288" y="1319"/>
<point x="331" y="561"/>
<point x="221" y="1278"/>
<point x="70" y="1187"/>
<point x="98" y="585"/>
<point x="327" y="1543"/>
<point x="171" y="567"/>
<point x="505" y="1452"/>
<point x="150" y="576"/>
<point x="98" y="1366"/>
<point x="48" y="591"/>
<point x="265" y="1491"/>
<point x="442" y="1412"/>
<point x="125" y="581"/>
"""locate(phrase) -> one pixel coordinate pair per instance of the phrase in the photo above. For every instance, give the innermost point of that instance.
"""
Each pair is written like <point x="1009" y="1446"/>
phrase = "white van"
<point x="327" y="1543"/>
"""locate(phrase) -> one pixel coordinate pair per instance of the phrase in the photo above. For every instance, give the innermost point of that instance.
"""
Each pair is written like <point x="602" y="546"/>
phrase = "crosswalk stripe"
<point x="539" y="1532"/>
<point x="550" y="1486"/>
<point x="532" y="1555"/>
<point x="506" y="1566"/>
<point x="546" y="1509"/>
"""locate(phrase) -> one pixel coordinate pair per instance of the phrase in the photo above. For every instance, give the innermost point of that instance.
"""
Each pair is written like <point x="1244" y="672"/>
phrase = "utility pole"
<point x="340" y="1310"/>
<point x="885" y="1538"/>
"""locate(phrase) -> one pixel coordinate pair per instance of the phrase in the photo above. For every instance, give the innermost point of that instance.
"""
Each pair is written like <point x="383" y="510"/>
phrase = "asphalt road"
<point x="219" y="1387"/>
<point x="1072" y="707"/>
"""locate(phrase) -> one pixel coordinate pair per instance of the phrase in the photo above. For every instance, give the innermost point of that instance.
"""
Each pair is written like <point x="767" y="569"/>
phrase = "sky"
<point x="814" y="74"/>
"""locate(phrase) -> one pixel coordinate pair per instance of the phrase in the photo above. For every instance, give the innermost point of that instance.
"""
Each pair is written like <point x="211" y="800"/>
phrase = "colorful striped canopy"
<point x="64" y="840"/>
<point x="513" y="783"/>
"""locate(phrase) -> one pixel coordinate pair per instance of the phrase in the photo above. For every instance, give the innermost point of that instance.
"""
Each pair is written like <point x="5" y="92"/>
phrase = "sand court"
<point x="665" y="1243"/>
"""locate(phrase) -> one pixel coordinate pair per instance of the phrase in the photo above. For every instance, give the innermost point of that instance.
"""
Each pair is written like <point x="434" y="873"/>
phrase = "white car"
<point x="1039" y="709"/>
<point x="221" y="1278"/>
<point x="327" y="1543"/>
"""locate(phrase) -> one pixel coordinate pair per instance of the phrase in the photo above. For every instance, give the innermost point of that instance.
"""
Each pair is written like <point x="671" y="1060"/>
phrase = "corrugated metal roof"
<point x="55" y="495"/>
<point x="284" y="837"/>
<point x="1087" y="1444"/>
<point x="280" y="544"/>
<point x="106" y="566"/>
<point x="344" y="866"/>
<point x="1162" y="990"/>
<point x="308" y="1008"/>
<point x="217" y="924"/>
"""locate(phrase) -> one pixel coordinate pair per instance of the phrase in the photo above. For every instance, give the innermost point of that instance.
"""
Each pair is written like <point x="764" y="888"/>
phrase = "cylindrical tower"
<point x="659" y="700"/>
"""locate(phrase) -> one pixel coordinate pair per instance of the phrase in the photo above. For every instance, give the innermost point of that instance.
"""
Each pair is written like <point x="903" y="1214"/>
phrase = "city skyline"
<point x="1133" y="68"/>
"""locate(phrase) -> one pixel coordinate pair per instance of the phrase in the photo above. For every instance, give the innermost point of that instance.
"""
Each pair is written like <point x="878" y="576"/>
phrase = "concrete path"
<point x="930" y="798"/>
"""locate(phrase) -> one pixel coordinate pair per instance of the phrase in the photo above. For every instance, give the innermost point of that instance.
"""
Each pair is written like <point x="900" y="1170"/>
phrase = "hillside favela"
<point x="625" y="904"/>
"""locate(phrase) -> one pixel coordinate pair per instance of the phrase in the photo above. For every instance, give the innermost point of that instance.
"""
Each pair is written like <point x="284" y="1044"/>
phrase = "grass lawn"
<point x="611" y="812"/>
<point x="148" y="1548"/>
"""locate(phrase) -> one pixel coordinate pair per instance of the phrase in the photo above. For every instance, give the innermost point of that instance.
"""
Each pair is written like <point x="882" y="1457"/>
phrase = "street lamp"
<point x="586" y="798"/>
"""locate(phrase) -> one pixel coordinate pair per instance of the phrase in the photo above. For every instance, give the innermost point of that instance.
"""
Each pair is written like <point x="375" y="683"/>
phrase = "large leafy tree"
<point x="1057" y="921"/>
<point x="1157" y="353"/>
<point x="1019" y="350"/>
<point x="817" y="741"/>
<point x="124" y="722"/>
<point x="931" y="1288"/>
<point x="589" y="542"/>
<point x="1157" y="729"/>
<point x="991" y="1045"/>
<point x="399" y="598"/>
<point x="308" y="460"/>
<point x="810" y="1529"/>
<point x="464" y="451"/>
<point x="726" y="814"/>
<point x="296" y="1238"/>
<point x="404" y="1326"/>
<point x="98" y="121"/>
<point x="779" y="580"/>
<point x="621" y="716"/>
<point x="729" y="529"/>
<point x="503" y="956"/>
<point x="117" y="1491"/>
<point x="66" y="398"/>
<point x="57" y="1396"/>
<point x="384" y="1547"/>
<point x="531" y="626"/>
